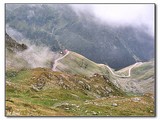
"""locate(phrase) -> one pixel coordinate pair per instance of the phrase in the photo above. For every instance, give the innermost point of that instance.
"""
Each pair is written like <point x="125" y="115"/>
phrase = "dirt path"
<point x="55" y="62"/>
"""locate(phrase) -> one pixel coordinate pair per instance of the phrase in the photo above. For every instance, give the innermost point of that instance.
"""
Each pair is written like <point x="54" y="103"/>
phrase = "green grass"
<point x="77" y="64"/>
<point x="54" y="100"/>
<point x="141" y="70"/>
<point x="17" y="76"/>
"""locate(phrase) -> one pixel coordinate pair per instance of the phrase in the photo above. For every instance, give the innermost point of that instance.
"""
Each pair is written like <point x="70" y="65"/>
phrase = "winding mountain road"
<point x="122" y="76"/>
<point x="56" y="61"/>
<point x="129" y="70"/>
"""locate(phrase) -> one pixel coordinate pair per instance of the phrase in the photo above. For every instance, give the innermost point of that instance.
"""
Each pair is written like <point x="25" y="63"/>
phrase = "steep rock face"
<point x="12" y="48"/>
<point x="59" y="27"/>
<point x="12" y="45"/>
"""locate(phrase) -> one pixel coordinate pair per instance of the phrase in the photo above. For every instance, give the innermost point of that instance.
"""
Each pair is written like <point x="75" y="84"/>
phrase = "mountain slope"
<point x="80" y="87"/>
<point x="12" y="45"/>
<point x="12" y="48"/>
<point x="145" y="76"/>
<point x="75" y="63"/>
<point x="43" y="92"/>
<point x="142" y="78"/>
<point x="138" y="78"/>
<point x="58" y="26"/>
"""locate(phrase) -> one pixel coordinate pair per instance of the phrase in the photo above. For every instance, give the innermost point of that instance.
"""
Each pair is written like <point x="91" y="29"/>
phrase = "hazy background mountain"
<point x="61" y="26"/>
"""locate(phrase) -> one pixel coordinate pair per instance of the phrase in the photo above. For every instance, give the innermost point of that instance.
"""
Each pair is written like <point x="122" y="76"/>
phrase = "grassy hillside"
<point x="42" y="92"/>
<point x="77" y="64"/>
<point x="142" y="78"/>
<point x="144" y="71"/>
<point x="145" y="76"/>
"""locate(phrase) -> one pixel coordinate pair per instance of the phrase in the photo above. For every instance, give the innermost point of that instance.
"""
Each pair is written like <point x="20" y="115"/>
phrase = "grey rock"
<point x="94" y="113"/>
<point x="136" y="99"/>
<point x="114" y="104"/>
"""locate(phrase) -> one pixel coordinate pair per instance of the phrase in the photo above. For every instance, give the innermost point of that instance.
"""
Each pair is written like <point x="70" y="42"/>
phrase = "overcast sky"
<point x="121" y="14"/>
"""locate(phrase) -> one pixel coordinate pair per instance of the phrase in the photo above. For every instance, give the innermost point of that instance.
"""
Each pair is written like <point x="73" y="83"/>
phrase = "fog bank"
<point x="121" y="14"/>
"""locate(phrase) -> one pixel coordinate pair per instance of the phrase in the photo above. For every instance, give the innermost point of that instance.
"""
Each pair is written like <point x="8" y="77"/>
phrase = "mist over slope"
<point x="59" y="26"/>
<point x="22" y="56"/>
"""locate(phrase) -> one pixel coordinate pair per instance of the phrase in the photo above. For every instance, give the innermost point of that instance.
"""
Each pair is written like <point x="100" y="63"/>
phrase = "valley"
<point x="64" y="60"/>
<point x="76" y="86"/>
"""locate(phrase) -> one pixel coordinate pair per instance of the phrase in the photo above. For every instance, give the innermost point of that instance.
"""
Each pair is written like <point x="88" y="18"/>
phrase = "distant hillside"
<point x="59" y="27"/>
<point x="75" y="63"/>
<point x="142" y="78"/>
<point x="145" y="76"/>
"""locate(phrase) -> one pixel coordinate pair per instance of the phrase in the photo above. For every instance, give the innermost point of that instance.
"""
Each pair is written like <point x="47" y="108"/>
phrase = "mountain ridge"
<point x="59" y="27"/>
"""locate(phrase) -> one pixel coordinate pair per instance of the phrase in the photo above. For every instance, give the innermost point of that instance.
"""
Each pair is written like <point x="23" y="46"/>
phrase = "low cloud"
<point x="33" y="57"/>
<point x="38" y="56"/>
<point x="121" y="14"/>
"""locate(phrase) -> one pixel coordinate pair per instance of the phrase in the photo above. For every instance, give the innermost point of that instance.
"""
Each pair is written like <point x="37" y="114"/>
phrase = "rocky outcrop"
<point x="12" y="45"/>
<point x="97" y="85"/>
